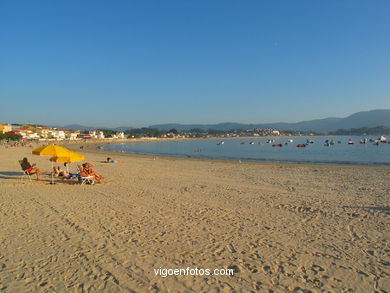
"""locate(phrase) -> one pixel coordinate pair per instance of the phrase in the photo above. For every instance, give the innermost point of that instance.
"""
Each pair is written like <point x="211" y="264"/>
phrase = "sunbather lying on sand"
<point x="110" y="160"/>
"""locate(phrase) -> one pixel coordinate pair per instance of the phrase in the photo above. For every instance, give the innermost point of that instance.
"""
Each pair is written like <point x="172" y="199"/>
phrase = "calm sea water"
<point x="260" y="150"/>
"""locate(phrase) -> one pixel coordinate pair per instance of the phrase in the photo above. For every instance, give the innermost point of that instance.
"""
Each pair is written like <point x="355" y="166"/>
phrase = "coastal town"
<point x="29" y="132"/>
<point x="42" y="133"/>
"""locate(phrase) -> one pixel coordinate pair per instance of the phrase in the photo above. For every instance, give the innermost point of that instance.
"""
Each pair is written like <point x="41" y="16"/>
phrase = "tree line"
<point x="378" y="130"/>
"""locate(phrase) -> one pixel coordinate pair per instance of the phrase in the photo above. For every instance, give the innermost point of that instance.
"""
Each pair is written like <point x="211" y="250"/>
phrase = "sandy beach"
<point x="281" y="228"/>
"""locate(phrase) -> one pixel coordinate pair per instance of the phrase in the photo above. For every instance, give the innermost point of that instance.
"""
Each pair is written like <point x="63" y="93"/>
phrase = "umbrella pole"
<point x="52" y="175"/>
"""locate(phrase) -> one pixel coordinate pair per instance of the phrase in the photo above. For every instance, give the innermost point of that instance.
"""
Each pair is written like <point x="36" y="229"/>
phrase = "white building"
<point x="92" y="133"/>
<point x="120" y="135"/>
<point x="57" y="134"/>
<point x="33" y="135"/>
<point x="6" y="128"/>
<point x="73" y="135"/>
<point x="99" y="135"/>
<point x="44" y="133"/>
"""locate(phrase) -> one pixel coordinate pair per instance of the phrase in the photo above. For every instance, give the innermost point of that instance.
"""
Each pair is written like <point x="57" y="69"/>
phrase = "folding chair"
<point x="86" y="180"/>
<point x="25" y="173"/>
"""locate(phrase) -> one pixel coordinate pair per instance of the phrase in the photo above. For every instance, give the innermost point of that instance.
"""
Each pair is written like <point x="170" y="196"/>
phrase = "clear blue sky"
<point x="137" y="63"/>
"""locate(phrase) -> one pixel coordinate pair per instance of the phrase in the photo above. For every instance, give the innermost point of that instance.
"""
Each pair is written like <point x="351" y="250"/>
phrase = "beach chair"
<point x="25" y="173"/>
<point x="86" y="180"/>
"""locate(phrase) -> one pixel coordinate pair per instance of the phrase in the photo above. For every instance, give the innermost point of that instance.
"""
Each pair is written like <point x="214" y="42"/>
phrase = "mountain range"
<point x="83" y="127"/>
<point x="371" y="118"/>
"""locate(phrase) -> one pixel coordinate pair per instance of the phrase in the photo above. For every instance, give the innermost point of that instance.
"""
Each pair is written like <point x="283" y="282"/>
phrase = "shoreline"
<point x="136" y="140"/>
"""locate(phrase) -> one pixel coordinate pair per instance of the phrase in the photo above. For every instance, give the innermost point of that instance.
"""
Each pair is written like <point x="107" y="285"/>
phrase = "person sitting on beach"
<point x="30" y="169"/>
<point x="86" y="170"/>
<point x="110" y="160"/>
<point x="90" y="171"/>
<point x="62" y="173"/>
<point x="56" y="171"/>
<point x="82" y="171"/>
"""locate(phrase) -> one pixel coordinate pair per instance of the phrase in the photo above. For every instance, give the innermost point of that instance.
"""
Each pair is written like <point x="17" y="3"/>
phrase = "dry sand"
<point x="284" y="228"/>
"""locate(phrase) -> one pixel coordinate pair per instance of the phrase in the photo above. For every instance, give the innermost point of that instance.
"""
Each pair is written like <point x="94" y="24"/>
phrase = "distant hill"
<point x="379" y="130"/>
<point x="82" y="127"/>
<point x="122" y="128"/>
<point x="371" y="118"/>
<point x="77" y="127"/>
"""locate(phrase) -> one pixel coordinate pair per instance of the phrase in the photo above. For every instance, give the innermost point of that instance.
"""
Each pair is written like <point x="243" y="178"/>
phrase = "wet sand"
<point x="297" y="228"/>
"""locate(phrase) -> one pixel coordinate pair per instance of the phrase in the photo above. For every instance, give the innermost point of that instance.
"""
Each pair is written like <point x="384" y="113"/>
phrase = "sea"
<point x="316" y="150"/>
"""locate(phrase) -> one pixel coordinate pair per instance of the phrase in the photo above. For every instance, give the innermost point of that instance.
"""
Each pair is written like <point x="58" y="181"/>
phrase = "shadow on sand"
<point x="10" y="175"/>
<point x="382" y="209"/>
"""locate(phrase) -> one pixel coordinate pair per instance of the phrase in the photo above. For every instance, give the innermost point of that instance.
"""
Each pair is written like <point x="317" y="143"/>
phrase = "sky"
<point x="143" y="62"/>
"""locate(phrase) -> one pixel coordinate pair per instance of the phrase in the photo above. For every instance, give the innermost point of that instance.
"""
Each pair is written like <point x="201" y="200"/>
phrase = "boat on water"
<point x="363" y="141"/>
<point x="301" y="145"/>
<point x="290" y="140"/>
<point x="252" y="142"/>
<point x="350" y="141"/>
<point x="221" y="142"/>
<point x="277" y="145"/>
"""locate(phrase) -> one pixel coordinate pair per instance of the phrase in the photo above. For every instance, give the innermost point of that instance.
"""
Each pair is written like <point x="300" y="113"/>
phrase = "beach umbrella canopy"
<point x="70" y="158"/>
<point x="52" y="151"/>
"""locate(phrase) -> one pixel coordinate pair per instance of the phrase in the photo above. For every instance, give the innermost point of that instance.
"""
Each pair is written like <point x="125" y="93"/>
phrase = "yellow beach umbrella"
<point x="70" y="158"/>
<point x="52" y="151"/>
